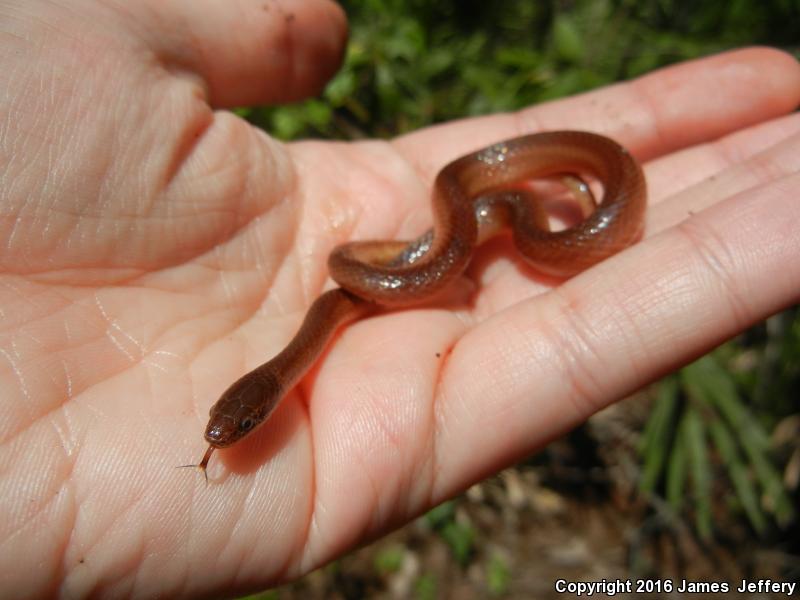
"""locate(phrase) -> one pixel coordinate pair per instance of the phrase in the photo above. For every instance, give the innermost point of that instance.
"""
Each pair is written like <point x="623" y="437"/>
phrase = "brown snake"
<point x="474" y="198"/>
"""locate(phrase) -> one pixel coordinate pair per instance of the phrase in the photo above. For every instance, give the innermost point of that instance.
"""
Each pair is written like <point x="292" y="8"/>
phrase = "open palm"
<point x="155" y="250"/>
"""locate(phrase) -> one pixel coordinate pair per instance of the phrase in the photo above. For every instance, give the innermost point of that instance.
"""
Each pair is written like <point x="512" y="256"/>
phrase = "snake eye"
<point x="246" y="424"/>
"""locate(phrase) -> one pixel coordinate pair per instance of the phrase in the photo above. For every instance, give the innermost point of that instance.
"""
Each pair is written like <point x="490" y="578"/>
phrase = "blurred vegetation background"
<point x="698" y="476"/>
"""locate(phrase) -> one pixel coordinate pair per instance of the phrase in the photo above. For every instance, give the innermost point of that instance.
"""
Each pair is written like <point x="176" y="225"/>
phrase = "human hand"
<point x="155" y="250"/>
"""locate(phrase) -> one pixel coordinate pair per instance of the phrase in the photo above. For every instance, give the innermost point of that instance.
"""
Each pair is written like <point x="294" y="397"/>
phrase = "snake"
<point x="476" y="197"/>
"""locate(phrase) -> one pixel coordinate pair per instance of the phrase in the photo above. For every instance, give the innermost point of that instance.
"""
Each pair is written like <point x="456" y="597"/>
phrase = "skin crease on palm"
<point x="155" y="247"/>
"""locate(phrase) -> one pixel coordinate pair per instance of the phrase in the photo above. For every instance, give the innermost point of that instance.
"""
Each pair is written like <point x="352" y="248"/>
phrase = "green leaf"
<point x="425" y="587"/>
<point x="676" y="469"/>
<point x="498" y="575"/>
<point x="655" y="442"/>
<point x="700" y="467"/>
<point x="438" y="516"/>
<point x="389" y="560"/>
<point x="567" y="40"/>
<point x="743" y="485"/>
<point x="709" y="382"/>
<point x="459" y="538"/>
<point x="268" y="595"/>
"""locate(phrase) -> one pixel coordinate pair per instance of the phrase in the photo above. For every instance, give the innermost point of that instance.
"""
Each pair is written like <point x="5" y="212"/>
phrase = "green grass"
<point x="412" y="63"/>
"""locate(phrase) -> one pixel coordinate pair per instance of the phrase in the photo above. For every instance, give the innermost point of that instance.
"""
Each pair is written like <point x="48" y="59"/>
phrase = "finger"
<point x="681" y="170"/>
<point x="732" y="172"/>
<point x="542" y="366"/>
<point x="671" y="108"/>
<point x="252" y="52"/>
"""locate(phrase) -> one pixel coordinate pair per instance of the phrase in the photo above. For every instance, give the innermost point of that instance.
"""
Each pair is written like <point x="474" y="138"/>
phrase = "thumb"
<point x="252" y="52"/>
<point x="140" y="173"/>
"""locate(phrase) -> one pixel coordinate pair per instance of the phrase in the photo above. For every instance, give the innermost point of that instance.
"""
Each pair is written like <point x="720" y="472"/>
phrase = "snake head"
<point x="242" y="407"/>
